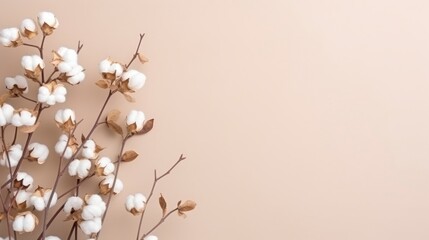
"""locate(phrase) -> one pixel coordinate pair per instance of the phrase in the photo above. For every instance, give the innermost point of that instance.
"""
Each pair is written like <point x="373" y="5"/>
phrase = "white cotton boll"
<point x="26" y="179"/>
<point x="151" y="237"/>
<point x="47" y="22"/>
<point x="137" y="118"/>
<point x="135" y="203"/>
<point x="15" y="153"/>
<point x="64" y="115"/>
<point x="73" y="204"/>
<point x="57" y="95"/>
<point x="38" y="152"/>
<point x="119" y="186"/>
<point x="68" y="55"/>
<point x="61" y="145"/>
<point x="9" y="36"/>
<point x="52" y="238"/>
<point x="75" y="75"/>
<point x="23" y="118"/>
<point x="38" y="203"/>
<point x="110" y="67"/>
<point x="73" y="166"/>
<point x="60" y="93"/>
<point x="18" y="223"/>
<point x="21" y="197"/>
<point x="91" y="226"/>
<point x="6" y="113"/>
<point x="29" y="25"/>
<point x="84" y="167"/>
<point x="32" y="62"/>
<point x="88" y="150"/>
<point x="90" y="212"/>
<point x="106" y="164"/>
<point x="18" y="81"/>
<point x="29" y="223"/>
<point x="96" y="199"/>
<point x="136" y="79"/>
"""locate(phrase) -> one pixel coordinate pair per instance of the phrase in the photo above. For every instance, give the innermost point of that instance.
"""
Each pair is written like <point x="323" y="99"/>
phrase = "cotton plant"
<point x="46" y="80"/>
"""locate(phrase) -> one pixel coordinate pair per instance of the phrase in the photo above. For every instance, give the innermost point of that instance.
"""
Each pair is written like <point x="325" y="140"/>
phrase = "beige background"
<point x="301" y="120"/>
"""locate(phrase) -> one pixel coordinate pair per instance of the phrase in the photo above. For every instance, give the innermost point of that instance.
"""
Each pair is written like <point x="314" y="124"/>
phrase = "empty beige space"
<point x="301" y="120"/>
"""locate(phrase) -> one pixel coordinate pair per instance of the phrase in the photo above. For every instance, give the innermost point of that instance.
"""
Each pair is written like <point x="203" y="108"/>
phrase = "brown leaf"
<point x="115" y="127"/>
<point x="129" y="156"/>
<point x="187" y="206"/>
<point x="2" y="216"/>
<point x="147" y="127"/>
<point x="113" y="115"/>
<point x="129" y="98"/>
<point x="103" y="83"/>
<point x="29" y="129"/>
<point x="142" y="58"/>
<point x="163" y="205"/>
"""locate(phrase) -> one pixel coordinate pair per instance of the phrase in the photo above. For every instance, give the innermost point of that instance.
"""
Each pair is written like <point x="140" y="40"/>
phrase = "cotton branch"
<point x="155" y="181"/>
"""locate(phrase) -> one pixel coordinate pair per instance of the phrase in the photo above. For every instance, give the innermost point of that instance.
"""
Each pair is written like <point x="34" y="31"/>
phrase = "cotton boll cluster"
<point x="104" y="166"/>
<point x="10" y="37"/>
<point x="37" y="152"/>
<point x="28" y="28"/>
<point x="52" y="93"/>
<point x="6" y="113"/>
<point x="16" y="85"/>
<point x="65" y="146"/>
<point x="10" y="158"/>
<point x="65" y="61"/>
<point x="91" y="214"/>
<point x="135" y="121"/>
<point x="47" y="22"/>
<point x="79" y="168"/>
<point x="23" y="117"/>
<point x="25" y="222"/>
<point x="33" y="66"/>
<point x="106" y="185"/>
<point x="135" y="204"/>
<point x="40" y="198"/>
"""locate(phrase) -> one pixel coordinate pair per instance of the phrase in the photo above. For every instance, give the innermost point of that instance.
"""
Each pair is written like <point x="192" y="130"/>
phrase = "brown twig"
<point x="136" y="54"/>
<point x="155" y="181"/>
<point x="159" y="223"/>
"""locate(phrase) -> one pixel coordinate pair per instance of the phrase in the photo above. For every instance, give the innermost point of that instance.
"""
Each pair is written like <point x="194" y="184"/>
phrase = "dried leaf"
<point x="113" y="115"/>
<point x="2" y="216"/>
<point x="82" y="138"/>
<point x="103" y="83"/>
<point x="142" y="58"/>
<point x="147" y="127"/>
<point x="187" y="206"/>
<point x="128" y="97"/>
<point x="115" y="127"/>
<point x="29" y="129"/>
<point x="129" y="156"/>
<point x="163" y="205"/>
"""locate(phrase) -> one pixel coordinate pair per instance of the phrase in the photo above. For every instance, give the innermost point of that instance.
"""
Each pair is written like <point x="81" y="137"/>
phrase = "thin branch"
<point x="28" y="99"/>
<point x="155" y="181"/>
<point x="159" y="223"/>
<point x="76" y="186"/>
<point x="136" y="54"/>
